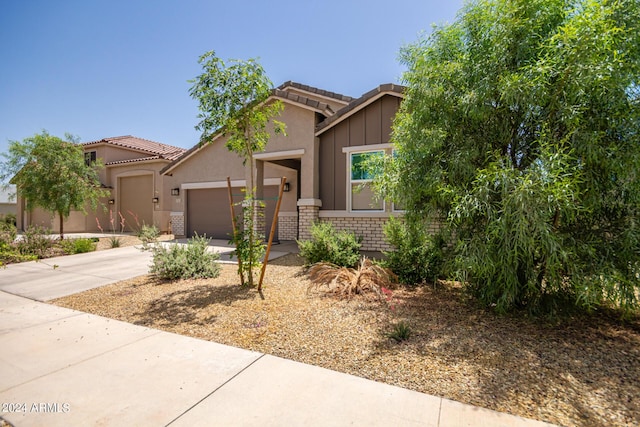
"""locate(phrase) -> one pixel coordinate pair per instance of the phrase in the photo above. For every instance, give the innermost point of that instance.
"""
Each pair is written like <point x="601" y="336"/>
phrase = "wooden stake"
<point x="271" y="233"/>
<point x="235" y="233"/>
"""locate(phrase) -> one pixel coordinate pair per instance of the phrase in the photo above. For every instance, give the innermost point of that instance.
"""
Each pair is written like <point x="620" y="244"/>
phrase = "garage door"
<point x="208" y="211"/>
<point x="136" y="194"/>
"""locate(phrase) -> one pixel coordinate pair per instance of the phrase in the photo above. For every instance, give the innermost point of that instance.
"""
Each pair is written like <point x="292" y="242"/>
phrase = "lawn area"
<point x="582" y="371"/>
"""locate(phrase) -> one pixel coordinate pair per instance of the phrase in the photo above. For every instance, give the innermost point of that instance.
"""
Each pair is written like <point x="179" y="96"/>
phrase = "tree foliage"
<point x="233" y="103"/>
<point x="520" y="129"/>
<point x="51" y="173"/>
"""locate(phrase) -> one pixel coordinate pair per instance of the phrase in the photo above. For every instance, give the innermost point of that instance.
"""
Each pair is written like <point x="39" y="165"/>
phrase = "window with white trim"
<point x="361" y="195"/>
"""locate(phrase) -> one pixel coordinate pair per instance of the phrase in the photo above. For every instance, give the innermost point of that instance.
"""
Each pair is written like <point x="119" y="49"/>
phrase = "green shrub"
<point x="401" y="331"/>
<point x="114" y="242"/>
<point x="8" y="233"/>
<point x="192" y="260"/>
<point x="341" y="248"/>
<point x="148" y="234"/>
<point x="35" y="241"/>
<point x="417" y="256"/>
<point x="77" y="246"/>
<point x="9" y="219"/>
<point x="9" y="254"/>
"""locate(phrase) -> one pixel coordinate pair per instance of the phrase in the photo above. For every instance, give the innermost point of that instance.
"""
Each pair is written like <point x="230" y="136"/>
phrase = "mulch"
<point x="578" y="371"/>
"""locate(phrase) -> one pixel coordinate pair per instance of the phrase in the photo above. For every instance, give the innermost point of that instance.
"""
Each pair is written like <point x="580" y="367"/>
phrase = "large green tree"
<point x="232" y="100"/>
<point x="521" y="132"/>
<point x="52" y="174"/>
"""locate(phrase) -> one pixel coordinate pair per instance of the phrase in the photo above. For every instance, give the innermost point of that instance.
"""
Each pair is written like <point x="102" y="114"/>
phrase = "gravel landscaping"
<point x="577" y="372"/>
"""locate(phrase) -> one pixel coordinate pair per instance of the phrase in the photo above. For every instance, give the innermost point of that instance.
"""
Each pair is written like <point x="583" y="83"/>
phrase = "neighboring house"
<point x="328" y="136"/>
<point x="8" y="203"/>
<point x="131" y="174"/>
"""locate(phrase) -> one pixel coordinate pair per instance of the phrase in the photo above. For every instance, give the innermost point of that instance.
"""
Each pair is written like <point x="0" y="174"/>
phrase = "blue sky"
<point x="101" y="68"/>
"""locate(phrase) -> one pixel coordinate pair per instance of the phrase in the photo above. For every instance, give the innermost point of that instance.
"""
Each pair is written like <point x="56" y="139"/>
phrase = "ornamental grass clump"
<point x="367" y="279"/>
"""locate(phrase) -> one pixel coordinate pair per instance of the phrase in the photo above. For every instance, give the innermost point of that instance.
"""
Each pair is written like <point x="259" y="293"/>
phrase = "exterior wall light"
<point x="175" y="191"/>
<point x="287" y="188"/>
<point x="155" y="199"/>
<point x="112" y="201"/>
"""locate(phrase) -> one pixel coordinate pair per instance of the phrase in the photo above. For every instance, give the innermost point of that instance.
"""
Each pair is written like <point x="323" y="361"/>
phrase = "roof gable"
<point x="360" y="103"/>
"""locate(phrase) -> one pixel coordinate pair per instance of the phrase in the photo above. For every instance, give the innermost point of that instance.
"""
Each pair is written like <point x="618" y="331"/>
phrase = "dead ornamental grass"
<point x="582" y="372"/>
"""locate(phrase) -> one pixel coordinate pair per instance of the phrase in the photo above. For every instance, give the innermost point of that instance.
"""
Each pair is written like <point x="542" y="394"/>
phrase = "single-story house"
<point x="329" y="135"/>
<point x="132" y="176"/>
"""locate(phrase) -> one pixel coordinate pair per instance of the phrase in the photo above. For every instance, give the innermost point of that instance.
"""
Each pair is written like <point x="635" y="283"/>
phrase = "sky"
<point x="104" y="68"/>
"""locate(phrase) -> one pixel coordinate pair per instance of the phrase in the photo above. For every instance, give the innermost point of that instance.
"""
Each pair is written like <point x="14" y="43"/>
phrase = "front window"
<point x="360" y="191"/>
<point x="90" y="158"/>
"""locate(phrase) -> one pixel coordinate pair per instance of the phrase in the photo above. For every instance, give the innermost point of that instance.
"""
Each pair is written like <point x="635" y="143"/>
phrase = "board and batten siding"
<point x="369" y="126"/>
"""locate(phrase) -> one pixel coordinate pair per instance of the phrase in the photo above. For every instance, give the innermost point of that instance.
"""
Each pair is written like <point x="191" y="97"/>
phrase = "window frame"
<point x="90" y="157"/>
<point x="350" y="151"/>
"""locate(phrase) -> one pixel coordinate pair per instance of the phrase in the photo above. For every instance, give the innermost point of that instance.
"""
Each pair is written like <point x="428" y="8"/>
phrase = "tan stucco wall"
<point x="214" y="162"/>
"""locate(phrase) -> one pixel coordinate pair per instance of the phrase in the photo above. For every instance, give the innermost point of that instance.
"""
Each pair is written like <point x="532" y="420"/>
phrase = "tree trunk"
<point x="61" y="225"/>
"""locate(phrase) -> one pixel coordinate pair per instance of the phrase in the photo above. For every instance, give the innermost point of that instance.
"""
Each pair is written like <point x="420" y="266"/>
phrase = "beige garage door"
<point x="208" y="211"/>
<point x="136" y="194"/>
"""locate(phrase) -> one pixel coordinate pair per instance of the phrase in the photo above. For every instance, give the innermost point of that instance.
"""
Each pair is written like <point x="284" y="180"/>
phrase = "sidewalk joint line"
<point x="216" y="389"/>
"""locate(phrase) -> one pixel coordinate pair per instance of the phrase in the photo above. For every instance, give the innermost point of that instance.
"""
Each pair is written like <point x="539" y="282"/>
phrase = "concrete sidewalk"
<point x="60" y="367"/>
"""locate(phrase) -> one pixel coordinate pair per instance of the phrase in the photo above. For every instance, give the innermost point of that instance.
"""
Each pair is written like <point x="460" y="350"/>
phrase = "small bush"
<point x="148" y="234"/>
<point x="35" y="241"/>
<point x="401" y="331"/>
<point x="192" y="260"/>
<point x="8" y="233"/>
<point x="9" y="219"/>
<point x="341" y="248"/>
<point x="417" y="257"/>
<point x="77" y="246"/>
<point x="9" y="255"/>
<point x="114" y="242"/>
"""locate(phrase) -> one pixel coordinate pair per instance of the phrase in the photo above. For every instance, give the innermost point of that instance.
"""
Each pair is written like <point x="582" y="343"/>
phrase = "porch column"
<point x="308" y="213"/>
<point x="258" y="208"/>
<point x="309" y="203"/>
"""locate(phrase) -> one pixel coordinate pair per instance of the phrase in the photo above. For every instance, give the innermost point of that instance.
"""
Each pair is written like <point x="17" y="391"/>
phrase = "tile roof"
<point x="162" y="151"/>
<point x="141" y="159"/>
<point x="357" y="104"/>
<point x="311" y="89"/>
<point x="321" y="106"/>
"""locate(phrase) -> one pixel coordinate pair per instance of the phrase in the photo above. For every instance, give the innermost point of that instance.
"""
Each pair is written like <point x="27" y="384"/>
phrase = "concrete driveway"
<point x="57" y="277"/>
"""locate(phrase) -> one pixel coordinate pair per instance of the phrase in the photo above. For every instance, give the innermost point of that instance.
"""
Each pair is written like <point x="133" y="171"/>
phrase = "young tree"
<point x="521" y="129"/>
<point x="233" y="100"/>
<point x="52" y="174"/>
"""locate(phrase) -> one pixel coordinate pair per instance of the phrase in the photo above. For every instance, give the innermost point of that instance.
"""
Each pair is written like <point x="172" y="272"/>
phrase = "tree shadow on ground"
<point x="182" y="306"/>
<point x="585" y="366"/>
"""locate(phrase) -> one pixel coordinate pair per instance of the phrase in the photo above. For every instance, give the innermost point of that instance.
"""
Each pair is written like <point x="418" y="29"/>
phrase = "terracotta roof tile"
<point x="163" y="151"/>
<point x="141" y="159"/>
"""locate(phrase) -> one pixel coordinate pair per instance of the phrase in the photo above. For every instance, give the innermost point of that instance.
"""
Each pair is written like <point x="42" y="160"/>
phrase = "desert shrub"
<point x="148" y="234"/>
<point x="9" y="219"/>
<point x="400" y="331"/>
<point x="35" y="241"/>
<point x="9" y="254"/>
<point x="369" y="278"/>
<point x="114" y="242"/>
<point x="417" y="256"/>
<point x="8" y="233"/>
<point x="192" y="260"/>
<point x="341" y="248"/>
<point x="77" y="246"/>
